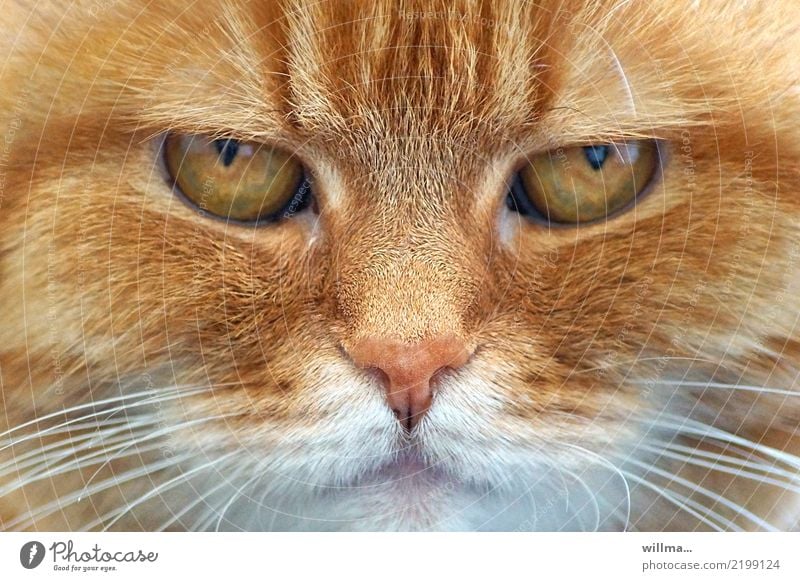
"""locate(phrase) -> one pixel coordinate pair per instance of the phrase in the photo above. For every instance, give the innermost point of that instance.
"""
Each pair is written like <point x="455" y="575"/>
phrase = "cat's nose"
<point x="408" y="370"/>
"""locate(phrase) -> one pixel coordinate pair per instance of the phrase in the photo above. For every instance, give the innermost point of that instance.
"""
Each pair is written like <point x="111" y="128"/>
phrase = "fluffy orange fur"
<point x="217" y="352"/>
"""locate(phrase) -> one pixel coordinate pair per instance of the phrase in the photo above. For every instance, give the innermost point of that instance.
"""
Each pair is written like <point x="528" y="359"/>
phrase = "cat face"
<point x="407" y="347"/>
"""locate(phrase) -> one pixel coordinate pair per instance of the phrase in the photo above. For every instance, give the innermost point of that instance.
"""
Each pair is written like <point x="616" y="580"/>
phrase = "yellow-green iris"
<point x="232" y="179"/>
<point x="583" y="184"/>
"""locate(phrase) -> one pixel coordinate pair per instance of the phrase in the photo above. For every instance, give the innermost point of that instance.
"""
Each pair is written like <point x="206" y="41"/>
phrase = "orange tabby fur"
<point x="411" y="115"/>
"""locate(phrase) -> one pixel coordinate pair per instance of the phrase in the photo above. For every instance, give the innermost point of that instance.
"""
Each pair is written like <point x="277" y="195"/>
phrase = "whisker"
<point x="51" y="467"/>
<point x="695" y="487"/>
<point x="734" y="387"/>
<point x="23" y="460"/>
<point x="154" y="398"/>
<point x="32" y="516"/>
<point x="165" y="431"/>
<point x="761" y="465"/>
<point x="615" y="469"/>
<point x="226" y="481"/>
<point x="125" y="407"/>
<point x="238" y="494"/>
<point x="592" y="496"/>
<point x="694" y="428"/>
<point x="117" y="514"/>
<point x="638" y="360"/>
<point x="686" y="504"/>
<point x="87" y="491"/>
<point x="689" y="459"/>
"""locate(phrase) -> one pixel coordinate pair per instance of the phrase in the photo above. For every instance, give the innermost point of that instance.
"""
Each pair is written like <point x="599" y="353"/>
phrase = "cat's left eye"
<point x="583" y="184"/>
<point x="237" y="180"/>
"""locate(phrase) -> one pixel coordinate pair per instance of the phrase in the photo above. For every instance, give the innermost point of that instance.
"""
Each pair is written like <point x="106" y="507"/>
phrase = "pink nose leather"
<point x="408" y="369"/>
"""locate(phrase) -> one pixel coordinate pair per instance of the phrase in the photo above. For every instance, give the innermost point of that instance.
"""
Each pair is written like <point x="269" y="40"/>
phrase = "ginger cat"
<point x="400" y="265"/>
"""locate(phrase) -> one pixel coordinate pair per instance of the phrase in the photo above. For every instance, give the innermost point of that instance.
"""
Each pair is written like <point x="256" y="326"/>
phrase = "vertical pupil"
<point x="596" y="155"/>
<point x="227" y="150"/>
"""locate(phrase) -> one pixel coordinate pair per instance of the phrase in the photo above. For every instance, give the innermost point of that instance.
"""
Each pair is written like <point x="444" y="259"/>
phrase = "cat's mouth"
<point x="409" y="466"/>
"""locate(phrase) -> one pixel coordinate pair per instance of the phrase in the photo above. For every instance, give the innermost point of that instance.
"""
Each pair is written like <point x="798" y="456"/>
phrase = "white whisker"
<point x="235" y="496"/>
<point x="733" y="387"/>
<point x="32" y="516"/>
<point x="165" y="431"/>
<point x="51" y="467"/>
<point x="153" y="397"/>
<point x="760" y="465"/>
<point x="117" y="514"/>
<point x="124" y="408"/>
<point x="591" y="494"/>
<point x="687" y="505"/>
<point x="689" y="459"/>
<point x="695" y="487"/>
<point x="35" y="456"/>
<point x="226" y="481"/>
<point x="698" y="429"/>
<point x="605" y="462"/>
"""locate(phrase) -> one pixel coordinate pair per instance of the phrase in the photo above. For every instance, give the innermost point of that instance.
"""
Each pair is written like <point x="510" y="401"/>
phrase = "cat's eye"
<point x="583" y="184"/>
<point x="237" y="180"/>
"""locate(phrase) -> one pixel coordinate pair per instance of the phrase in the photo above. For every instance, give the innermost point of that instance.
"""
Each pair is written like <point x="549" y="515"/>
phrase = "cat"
<point x="400" y="265"/>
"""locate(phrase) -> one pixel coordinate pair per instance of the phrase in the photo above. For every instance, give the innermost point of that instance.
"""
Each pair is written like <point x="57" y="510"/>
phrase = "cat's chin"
<point x="406" y="466"/>
<point x="401" y="498"/>
<point x="410" y="493"/>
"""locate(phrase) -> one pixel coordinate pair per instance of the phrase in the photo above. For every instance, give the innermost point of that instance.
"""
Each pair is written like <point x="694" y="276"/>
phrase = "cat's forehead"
<point x="434" y="81"/>
<point x="414" y="70"/>
<point x="450" y="71"/>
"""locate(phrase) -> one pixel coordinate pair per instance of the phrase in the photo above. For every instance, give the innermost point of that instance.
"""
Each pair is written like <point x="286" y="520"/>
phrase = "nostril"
<point x="379" y="375"/>
<point x="398" y="404"/>
<point x="439" y="376"/>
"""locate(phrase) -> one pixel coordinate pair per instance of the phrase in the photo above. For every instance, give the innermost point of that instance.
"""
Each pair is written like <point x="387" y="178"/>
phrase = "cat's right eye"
<point x="237" y="180"/>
